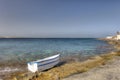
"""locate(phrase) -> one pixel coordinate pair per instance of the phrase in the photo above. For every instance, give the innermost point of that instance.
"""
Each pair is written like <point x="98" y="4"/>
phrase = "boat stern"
<point x="32" y="66"/>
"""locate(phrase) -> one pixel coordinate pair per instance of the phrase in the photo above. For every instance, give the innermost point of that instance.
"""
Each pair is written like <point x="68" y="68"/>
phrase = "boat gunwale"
<point x="45" y="59"/>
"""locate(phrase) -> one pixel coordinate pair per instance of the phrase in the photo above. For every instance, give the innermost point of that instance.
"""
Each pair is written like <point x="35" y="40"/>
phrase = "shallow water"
<point x="24" y="50"/>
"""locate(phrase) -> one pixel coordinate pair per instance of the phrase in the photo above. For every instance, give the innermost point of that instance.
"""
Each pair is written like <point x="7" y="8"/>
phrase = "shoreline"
<point x="66" y="69"/>
<point x="109" y="71"/>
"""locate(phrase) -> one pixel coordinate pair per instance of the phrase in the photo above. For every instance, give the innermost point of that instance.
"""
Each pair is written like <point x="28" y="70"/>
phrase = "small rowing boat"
<point x="43" y="64"/>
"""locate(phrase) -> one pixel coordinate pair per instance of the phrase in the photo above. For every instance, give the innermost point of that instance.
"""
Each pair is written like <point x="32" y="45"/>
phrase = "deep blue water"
<point x="30" y="49"/>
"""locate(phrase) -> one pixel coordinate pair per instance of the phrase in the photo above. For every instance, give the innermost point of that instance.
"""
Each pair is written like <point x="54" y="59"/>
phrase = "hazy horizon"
<point x="59" y="18"/>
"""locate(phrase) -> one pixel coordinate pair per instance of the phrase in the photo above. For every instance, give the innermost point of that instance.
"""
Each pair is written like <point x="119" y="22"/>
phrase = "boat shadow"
<point x="58" y="65"/>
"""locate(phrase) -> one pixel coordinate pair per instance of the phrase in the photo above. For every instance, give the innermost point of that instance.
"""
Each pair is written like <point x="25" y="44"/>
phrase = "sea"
<point x="28" y="49"/>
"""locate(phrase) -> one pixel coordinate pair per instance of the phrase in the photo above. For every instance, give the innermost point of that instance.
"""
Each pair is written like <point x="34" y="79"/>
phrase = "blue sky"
<point x="59" y="18"/>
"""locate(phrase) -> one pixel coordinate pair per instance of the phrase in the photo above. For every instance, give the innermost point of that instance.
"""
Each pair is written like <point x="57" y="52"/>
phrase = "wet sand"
<point x="6" y="71"/>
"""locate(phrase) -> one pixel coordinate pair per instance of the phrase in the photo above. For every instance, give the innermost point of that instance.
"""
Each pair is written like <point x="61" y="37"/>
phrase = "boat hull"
<point x="43" y="64"/>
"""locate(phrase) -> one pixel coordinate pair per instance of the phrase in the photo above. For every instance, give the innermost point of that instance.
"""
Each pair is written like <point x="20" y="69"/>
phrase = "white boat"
<point x="43" y="64"/>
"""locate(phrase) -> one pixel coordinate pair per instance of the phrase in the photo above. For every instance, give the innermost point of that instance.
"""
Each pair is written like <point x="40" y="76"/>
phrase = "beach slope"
<point x="110" y="71"/>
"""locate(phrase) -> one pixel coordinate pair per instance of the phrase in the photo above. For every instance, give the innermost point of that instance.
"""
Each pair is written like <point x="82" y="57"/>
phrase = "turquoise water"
<point x="32" y="49"/>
